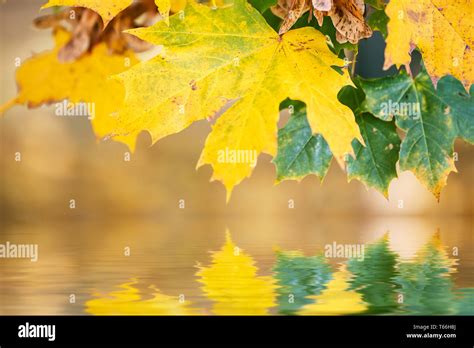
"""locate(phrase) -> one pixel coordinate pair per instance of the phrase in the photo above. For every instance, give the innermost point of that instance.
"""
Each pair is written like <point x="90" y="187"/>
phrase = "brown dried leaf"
<point x="346" y="15"/>
<point x="348" y="19"/>
<point x="81" y="37"/>
<point x="51" y="20"/>
<point x="87" y="31"/>
<point x="322" y="5"/>
<point x="290" y="11"/>
<point x="319" y="15"/>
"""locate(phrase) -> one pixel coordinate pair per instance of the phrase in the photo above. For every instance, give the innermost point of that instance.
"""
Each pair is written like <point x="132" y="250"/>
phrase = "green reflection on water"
<point x="299" y="276"/>
<point x="426" y="283"/>
<point x="374" y="277"/>
<point x="465" y="302"/>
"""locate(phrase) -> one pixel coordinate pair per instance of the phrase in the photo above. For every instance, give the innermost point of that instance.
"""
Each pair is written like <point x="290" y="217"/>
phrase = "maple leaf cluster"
<point x="248" y="61"/>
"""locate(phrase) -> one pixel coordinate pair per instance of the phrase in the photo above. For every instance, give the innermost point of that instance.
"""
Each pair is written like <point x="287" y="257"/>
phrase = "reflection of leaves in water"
<point x="425" y="282"/>
<point x="465" y="301"/>
<point x="360" y="287"/>
<point x="298" y="277"/>
<point x="374" y="277"/>
<point x="231" y="281"/>
<point x="337" y="298"/>
<point x="129" y="301"/>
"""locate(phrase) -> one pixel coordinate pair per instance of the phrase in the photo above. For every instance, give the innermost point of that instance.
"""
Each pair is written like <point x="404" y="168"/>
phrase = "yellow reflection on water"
<point x="232" y="283"/>
<point x="337" y="298"/>
<point x="129" y="301"/>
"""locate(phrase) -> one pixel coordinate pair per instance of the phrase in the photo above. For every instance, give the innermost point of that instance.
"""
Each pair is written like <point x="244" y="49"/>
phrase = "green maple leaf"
<point x="378" y="21"/>
<point x="301" y="153"/>
<point x="375" y="163"/>
<point x="432" y="120"/>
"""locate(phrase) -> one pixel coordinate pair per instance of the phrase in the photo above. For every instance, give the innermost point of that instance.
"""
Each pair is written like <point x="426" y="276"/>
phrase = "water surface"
<point x="242" y="266"/>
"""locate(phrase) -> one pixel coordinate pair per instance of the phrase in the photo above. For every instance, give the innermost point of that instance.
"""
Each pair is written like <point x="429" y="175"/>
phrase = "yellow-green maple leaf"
<point x="42" y="79"/>
<point x="231" y="281"/>
<point x="441" y="29"/>
<point x="107" y="9"/>
<point x="212" y="56"/>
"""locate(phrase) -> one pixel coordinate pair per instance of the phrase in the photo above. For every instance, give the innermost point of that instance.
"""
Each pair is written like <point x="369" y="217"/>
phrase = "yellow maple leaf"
<point x="43" y="79"/>
<point x="107" y="9"/>
<point x="213" y="56"/>
<point x="177" y="5"/>
<point x="164" y="7"/>
<point x="336" y="299"/>
<point x="441" y="29"/>
<point x="231" y="281"/>
<point x="129" y="301"/>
